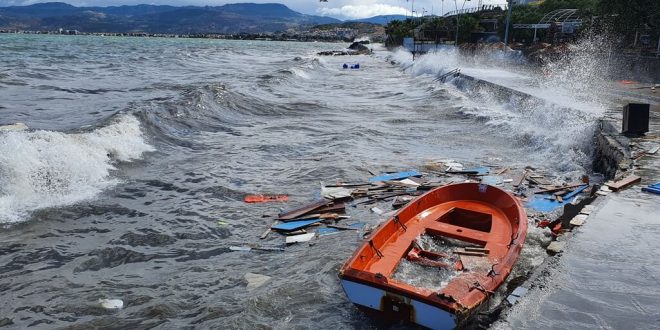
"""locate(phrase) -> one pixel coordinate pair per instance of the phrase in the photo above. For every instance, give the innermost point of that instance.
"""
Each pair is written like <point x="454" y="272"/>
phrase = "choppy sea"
<point x="128" y="182"/>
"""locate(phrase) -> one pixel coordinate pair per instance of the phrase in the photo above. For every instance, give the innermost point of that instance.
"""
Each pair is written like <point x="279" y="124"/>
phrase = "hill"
<point x="226" y="19"/>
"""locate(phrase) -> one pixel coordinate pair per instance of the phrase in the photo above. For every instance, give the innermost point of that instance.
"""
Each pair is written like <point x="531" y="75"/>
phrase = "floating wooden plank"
<point x="623" y="183"/>
<point x="559" y="188"/>
<point x="518" y="181"/>
<point x="295" y="225"/>
<point x="349" y="185"/>
<point x="265" y="198"/>
<point x="394" y="176"/>
<point x="473" y="171"/>
<point x="332" y="208"/>
<point x="303" y="210"/>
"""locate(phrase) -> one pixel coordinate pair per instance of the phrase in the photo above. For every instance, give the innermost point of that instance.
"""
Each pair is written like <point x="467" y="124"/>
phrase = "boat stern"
<point x="391" y="306"/>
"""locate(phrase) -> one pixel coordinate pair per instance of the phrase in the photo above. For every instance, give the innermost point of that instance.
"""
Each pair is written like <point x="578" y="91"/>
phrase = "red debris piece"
<point x="557" y="229"/>
<point x="543" y="223"/>
<point x="265" y="198"/>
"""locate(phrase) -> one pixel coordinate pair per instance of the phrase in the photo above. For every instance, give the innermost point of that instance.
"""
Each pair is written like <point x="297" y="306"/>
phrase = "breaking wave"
<point x="41" y="169"/>
<point x="536" y="117"/>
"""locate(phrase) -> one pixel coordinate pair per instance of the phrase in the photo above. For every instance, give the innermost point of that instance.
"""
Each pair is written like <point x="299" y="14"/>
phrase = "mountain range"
<point x="226" y="19"/>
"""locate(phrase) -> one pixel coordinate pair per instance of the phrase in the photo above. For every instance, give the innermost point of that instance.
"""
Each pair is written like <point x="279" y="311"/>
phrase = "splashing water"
<point x="42" y="169"/>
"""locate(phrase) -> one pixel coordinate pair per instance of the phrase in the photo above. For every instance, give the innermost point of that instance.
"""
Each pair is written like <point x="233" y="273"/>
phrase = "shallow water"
<point x="139" y="147"/>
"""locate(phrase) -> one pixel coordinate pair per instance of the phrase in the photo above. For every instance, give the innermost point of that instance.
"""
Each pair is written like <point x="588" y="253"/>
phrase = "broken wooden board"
<point x="303" y="210"/>
<point x="518" y="181"/>
<point x="559" y="188"/>
<point x="472" y="171"/>
<point x="623" y="183"/>
<point x="469" y="253"/>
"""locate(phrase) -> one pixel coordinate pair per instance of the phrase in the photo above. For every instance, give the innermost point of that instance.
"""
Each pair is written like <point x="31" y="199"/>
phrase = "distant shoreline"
<point x="240" y="36"/>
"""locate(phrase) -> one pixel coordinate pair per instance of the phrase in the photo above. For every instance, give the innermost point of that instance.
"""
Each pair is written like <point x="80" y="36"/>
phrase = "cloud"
<point x="362" y="11"/>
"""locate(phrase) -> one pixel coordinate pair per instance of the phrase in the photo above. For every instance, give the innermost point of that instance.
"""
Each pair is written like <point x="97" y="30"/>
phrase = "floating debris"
<point x="265" y="198"/>
<point x="394" y="176"/>
<point x="111" y="303"/>
<point x="255" y="280"/>
<point x="518" y="293"/>
<point x="300" y="238"/>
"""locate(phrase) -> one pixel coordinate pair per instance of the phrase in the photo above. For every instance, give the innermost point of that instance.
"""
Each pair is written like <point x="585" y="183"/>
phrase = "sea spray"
<point x="40" y="169"/>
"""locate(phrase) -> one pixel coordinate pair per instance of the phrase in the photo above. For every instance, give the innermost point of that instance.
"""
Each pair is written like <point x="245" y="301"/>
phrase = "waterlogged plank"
<point x="303" y="210"/>
<point x="623" y="183"/>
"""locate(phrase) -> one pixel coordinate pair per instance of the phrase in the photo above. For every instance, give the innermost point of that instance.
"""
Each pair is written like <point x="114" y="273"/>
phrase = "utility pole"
<point x="508" y="21"/>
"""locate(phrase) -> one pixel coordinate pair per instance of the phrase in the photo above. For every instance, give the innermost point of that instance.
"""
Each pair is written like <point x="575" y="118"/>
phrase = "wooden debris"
<point x="618" y="185"/>
<point x="469" y="253"/>
<point x="343" y="227"/>
<point x="557" y="189"/>
<point x="265" y="198"/>
<point x="518" y="181"/>
<point x="303" y="210"/>
<point x="476" y="249"/>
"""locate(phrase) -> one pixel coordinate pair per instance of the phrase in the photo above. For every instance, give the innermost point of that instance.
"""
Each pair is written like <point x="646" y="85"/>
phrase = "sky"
<point x="342" y="9"/>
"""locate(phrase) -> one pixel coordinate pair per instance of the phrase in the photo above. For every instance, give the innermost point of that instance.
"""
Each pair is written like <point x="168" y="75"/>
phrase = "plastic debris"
<point x="255" y="280"/>
<point x="265" y="198"/>
<point x="295" y="225"/>
<point x="652" y="188"/>
<point x="472" y="171"/>
<point x="547" y="203"/>
<point x="300" y="238"/>
<point x="111" y="303"/>
<point x="338" y="229"/>
<point x="394" y="176"/>
<point x="335" y="192"/>
<point x="377" y="210"/>
<point x="518" y="293"/>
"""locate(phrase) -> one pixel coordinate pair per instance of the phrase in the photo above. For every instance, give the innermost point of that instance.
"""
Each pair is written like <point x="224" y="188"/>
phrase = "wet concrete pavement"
<point x="607" y="276"/>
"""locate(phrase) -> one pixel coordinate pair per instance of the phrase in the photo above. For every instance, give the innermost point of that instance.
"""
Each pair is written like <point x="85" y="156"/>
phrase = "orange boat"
<point x="440" y="257"/>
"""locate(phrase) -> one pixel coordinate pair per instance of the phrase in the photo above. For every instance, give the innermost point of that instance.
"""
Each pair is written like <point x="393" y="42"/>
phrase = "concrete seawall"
<point x="614" y="155"/>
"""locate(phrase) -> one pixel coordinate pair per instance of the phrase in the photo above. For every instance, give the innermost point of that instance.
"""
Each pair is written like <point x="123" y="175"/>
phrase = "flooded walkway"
<point x="607" y="278"/>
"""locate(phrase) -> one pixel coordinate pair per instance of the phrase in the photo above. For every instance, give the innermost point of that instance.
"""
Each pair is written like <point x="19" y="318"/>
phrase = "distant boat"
<point x="477" y="232"/>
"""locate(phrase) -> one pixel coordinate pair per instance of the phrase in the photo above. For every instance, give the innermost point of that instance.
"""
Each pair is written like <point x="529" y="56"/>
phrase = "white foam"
<point x="40" y="169"/>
